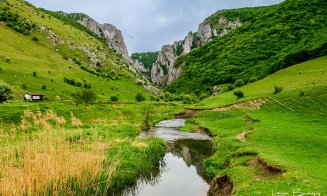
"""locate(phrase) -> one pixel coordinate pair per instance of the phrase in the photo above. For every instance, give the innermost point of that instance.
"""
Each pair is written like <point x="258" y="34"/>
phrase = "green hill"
<point x="33" y="40"/>
<point x="271" y="39"/>
<point x="300" y="77"/>
<point x="280" y="146"/>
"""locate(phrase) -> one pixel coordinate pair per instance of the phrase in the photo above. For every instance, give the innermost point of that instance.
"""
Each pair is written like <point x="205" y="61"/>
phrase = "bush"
<point x="34" y="74"/>
<point x="229" y="88"/>
<point x="302" y="93"/>
<point x="203" y="96"/>
<point x="187" y="99"/>
<point x="44" y="87"/>
<point x="239" y="83"/>
<point x="87" y="96"/>
<point x="24" y="86"/>
<point x="114" y="98"/>
<point x="0" y="69"/>
<point x="5" y="92"/>
<point x="139" y="97"/>
<point x="36" y="39"/>
<point x="278" y="89"/>
<point x="239" y="94"/>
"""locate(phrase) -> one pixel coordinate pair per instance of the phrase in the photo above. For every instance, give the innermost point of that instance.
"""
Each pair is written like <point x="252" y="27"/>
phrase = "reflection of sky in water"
<point x="182" y="173"/>
<point x="168" y="130"/>
<point x="179" y="179"/>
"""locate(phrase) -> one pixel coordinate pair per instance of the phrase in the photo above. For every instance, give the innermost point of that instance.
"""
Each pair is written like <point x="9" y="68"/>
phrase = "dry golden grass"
<point x="46" y="161"/>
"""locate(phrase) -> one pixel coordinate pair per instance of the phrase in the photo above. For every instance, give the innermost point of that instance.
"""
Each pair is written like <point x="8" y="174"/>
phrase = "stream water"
<point x="181" y="171"/>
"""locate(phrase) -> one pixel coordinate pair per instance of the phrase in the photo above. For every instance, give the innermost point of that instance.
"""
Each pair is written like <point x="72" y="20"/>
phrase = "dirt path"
<point x="250" y="105"/>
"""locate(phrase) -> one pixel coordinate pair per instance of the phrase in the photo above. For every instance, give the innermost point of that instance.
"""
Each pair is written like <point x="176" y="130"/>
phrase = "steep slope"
<point x="34" y="41"/>
<point x="163" y="71"/>
<point x="109" y="32"/>
<point x="273" y="38"/>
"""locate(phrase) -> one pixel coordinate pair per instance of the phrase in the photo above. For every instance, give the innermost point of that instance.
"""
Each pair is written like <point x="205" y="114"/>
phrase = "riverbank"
<point x="279" y="147"/>
<point x="44" y="143"/>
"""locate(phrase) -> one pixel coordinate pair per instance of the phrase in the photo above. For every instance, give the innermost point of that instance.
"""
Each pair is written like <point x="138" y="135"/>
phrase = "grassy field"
<point x="298" y="77"/>
<point x="287" y="134"/>
<point x="42" y="146"/>
<point x="56" y="53"/>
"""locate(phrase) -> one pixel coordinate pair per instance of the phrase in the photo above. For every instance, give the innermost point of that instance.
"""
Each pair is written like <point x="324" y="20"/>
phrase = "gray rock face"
<point x="205" y="33"/>
<point x="188" y="42"/>
<point x="109" y="32"/>
<point x="163" y="71"/>
<point x="168" y="54"/>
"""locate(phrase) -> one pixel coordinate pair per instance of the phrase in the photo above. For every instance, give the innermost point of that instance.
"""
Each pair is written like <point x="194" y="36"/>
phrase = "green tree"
<point x="86" y="95"/>
<point x="5" y="92"/>
<point x="114" y="98"/>
<point x="239" y="94"/>
<point x="139" y="97"/>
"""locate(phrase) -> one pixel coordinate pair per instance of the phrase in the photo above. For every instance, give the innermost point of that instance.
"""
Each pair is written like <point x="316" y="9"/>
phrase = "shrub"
<point x="239" y="83"/>
<point x="278" y="89"/>
<point x="203" y="96"/>
<point x="44" y="87"/>
<point x="302" y="93"/>
<point x="239" y="94"/>
<point x="253" y="79"/>
<point x="0" y="69"/>
<point x="139" y="97"/>
<point x="114" y="98"/>
<point x="5" y="92"/>
<point x="36" y="39"/>
<point x="229" y="88"/>
<point x="187" y="99"/>
<point x="34" y="74"/>
<point x="24" y="86"/>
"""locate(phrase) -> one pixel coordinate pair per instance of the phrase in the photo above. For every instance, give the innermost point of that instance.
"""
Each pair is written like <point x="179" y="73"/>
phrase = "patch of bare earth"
<point x="221" y="186"/>
<point x="265" y="170"/>
<point x="243" y="136"/>
<point x="250" y="105"/>
<point x="188" y="113"/>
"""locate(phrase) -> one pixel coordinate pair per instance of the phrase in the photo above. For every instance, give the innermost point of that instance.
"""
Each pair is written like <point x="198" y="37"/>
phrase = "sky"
<point x="147" y="25"/>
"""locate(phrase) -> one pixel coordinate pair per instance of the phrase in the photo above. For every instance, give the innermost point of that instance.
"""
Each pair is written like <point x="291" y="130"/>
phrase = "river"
<point x="181" y="171"/>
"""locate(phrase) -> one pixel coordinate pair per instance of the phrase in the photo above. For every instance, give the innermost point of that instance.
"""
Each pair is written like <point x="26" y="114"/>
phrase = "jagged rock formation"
<point x="141" y="68"/>
<point x="164" y="72"/>
<point x="109" y="32"/>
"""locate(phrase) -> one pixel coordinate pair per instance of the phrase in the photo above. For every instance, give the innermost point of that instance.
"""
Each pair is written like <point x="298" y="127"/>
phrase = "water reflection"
<point x="181" y="171"/>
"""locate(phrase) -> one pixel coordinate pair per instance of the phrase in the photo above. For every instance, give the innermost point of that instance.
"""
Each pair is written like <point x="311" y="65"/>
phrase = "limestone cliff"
<point x="109" y="32"/>
<point x="164" y="72"/>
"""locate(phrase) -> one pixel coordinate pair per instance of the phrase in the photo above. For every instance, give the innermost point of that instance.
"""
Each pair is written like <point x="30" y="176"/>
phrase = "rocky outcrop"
<point x="109" y="32"/>
<point x="141" y="68"/>
<point x="188" y="42"/>
<point x="163" y="71"/>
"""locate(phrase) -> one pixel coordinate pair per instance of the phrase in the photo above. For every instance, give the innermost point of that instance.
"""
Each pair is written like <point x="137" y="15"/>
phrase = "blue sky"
<point x="149" y="24"/>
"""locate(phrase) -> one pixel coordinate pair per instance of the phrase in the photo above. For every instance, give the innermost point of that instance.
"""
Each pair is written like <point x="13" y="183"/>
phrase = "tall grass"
<point x="41" y="158"/>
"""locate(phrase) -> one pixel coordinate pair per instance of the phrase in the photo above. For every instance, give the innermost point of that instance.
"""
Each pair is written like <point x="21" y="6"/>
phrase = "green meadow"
<point x="287" y="134"/>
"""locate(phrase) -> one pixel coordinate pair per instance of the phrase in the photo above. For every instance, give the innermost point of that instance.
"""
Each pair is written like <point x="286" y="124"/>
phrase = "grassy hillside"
<point x="300" y="77"/>
<point x="279" y="147"/>
<point x="55" y="49"/>
<point x="273" y="38"/>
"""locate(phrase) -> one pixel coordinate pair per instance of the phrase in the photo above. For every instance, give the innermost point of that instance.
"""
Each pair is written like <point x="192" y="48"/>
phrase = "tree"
<point x="114" y="98"/>
<point x="87" y="96"/>
<point x="139" y="97"/>
<point x="239" y="83"/>
<point x="5" y="92"/>
<point x="239" y="94"/>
